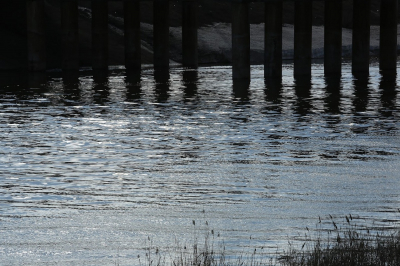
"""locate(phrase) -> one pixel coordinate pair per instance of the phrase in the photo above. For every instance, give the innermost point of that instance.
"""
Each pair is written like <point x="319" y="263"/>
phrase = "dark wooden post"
<point x="132" y="34"/>
<point x="273" y="40"/>
<point x="36" y="35"/>
<point x="333" y="37"/>
<point x="70" y="34"/>
<point x="161" y="33"/>
<point x="388" y="36"/>
<point x="302" y="38"/>
<point x="240" y="41"/>
<point x="189" y="33"/>
<point x="100" y="34"/>
<point x="361" y="35"/>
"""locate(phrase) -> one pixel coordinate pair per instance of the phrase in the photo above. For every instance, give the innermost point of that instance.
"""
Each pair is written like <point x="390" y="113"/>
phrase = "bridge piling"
<point x="36" y="39"/>
<point x="161" y="33"/>
<point x="388" y="36"/>
<point x="361" y="35"/>
<point x="240" y="41"/>
<point x="333" y="38"/>
<point x="132" y="35"/>
<point x="189" y="33"/>
<point x="70" y="34"/>
<point x="273" y="40"/>
<point x="100" y="34"/>
<point x="36" y="36"/>
<point x="302" y="38"/>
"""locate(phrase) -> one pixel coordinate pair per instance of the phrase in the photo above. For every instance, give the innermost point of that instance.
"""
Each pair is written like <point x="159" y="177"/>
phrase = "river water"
<point x="93" y="165"/>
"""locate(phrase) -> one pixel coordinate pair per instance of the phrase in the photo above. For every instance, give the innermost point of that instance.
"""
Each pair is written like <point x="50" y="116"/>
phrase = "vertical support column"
<point x="36" y="35"/>
<point x="70" y="34"/>
<point x="333" y="38"/>
<point x="240" y="41"/>
<point x="189" y="33"/>
<point x="100" y="34"/>
<point x="132" y="34"/>
<point x="361" y="35"/>
<point x="161" y="33"/>
<point x="273" y="40"/>
<point x="388" y="36"/>
<point x="302" y="38"/>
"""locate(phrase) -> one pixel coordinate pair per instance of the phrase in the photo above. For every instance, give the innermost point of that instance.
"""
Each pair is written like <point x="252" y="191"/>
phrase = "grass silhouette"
<point x="346" y="245"/>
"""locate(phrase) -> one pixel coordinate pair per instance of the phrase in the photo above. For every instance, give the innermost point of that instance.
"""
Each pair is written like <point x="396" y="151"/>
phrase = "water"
<point x="93" y="165"/>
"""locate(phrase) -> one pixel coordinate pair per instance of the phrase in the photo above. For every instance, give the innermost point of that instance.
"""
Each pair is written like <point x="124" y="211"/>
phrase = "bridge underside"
<point x="273" y="17"/>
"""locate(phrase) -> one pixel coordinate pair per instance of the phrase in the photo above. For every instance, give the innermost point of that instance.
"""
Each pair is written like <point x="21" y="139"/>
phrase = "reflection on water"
<point x="161" y="77"/>
<point x="133" y="86"/>
<point x="190" y="79"/>
<point x="302" y="87"/>
<point x="332" y="99"/>
<point x="361" y="93"/>
<point x="112" y="157"/>
<point x="72" y="92"/>
<point x="241" y="91"/>
<point x="388" y="88"/>
<point x="101" y="89"/>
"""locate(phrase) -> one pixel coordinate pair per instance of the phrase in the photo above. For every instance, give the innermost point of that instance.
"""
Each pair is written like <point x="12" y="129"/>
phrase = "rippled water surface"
<point x="93" y="164"/>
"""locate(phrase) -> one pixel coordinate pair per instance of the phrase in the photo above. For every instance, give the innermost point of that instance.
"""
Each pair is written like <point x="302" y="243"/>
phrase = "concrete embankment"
<point x="215" y="42"/>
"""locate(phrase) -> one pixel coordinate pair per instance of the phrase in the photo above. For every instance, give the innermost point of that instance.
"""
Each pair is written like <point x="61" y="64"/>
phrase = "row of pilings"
<point x="240" y="36"/>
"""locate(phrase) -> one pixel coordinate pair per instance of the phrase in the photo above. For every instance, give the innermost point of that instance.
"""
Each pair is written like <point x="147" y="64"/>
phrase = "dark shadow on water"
<point x="27" y="88"/>
<point x="37" y="87"/>
<point x="360" y="102"/>
<point x="241" y="100"/>
<point x="72" y="92"/>
<point x="361" y="92"/>
<point x="13" y="83"/>
<point x="273" y="98"/>
<point x="241" y="91"/>
<point x="24" y="88"/>
<point x="333" y="88"/>
<point x="133" y="80"/>
<point x="190" y="79"/>
<point x="273" y="94"/>
<point x="101" y="88"/>
<point x="302" y="86"/>
<point x="161" y="77"/>
<point x="332" y="99"/>
<point x="388" y="92"/>
<point x="37" y="80"/>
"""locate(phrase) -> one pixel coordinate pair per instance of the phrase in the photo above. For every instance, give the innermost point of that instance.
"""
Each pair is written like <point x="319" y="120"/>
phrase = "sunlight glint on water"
<point x="93" y="165"/>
